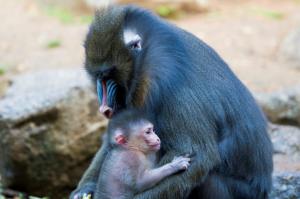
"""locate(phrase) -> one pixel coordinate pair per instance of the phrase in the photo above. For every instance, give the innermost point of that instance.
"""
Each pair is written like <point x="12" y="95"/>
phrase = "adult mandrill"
<point x="195" y="101"/>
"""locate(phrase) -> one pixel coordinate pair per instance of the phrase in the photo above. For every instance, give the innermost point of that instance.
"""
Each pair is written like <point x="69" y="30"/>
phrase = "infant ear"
<point x="120" y="138"/>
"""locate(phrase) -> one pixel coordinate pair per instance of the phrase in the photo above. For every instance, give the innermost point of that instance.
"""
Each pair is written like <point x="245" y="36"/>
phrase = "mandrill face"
<point x="112" y="49"/>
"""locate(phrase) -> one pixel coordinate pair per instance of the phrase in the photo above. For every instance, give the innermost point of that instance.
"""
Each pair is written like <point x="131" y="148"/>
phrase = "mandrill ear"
<point x="120" y="138"/>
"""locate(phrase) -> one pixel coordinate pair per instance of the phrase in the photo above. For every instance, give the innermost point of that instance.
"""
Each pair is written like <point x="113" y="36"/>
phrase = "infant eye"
<point x="148" y="132"/>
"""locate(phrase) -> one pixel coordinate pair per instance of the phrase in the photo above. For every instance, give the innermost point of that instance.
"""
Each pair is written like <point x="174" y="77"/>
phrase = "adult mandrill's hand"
<point x="85" y="192"/>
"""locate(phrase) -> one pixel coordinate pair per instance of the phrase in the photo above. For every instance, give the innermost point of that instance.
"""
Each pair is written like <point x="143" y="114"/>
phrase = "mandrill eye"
<point x="132" y="40"/>
<point x="135" y="45"/>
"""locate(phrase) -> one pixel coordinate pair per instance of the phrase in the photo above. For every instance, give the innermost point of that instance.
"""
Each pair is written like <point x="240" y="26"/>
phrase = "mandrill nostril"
<point x="108" y="113"/>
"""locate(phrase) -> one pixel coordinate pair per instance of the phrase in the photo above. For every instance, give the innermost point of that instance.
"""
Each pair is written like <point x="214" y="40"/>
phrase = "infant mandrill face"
<point x="146" y="138"/>
<point x="151" y="138"/>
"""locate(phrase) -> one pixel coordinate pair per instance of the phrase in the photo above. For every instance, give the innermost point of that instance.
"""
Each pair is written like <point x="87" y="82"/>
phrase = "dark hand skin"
<point x="196" y="102"/>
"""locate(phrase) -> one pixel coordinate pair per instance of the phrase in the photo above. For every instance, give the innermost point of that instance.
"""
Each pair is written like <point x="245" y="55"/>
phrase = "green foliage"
<point x="86" y="19"/>
<point x="21" y="196"/>
<point x="87" y="196"/>
<point x="3" y="69"/>
<point x="55" y="43"/>
<point x="164" y="11"/>
<point x="1" y="196"/>
<point x="65" y="16"/>
<point x="168" y="11"/>
<point x="272" y="14"/>
<point x="61" y="14"/>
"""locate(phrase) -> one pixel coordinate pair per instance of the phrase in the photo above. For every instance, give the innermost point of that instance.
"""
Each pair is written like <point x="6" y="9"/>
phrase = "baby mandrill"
<point x="129" y="168"/>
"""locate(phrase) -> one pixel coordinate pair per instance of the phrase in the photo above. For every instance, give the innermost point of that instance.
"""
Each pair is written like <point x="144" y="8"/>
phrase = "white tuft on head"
<point x="100" y="3"/>
<point x="131" y="37"/>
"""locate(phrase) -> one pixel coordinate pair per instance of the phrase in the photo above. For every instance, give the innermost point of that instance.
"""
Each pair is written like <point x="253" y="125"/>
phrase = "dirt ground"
<point x="247" y="34"/>
<point x="242" y="32"/>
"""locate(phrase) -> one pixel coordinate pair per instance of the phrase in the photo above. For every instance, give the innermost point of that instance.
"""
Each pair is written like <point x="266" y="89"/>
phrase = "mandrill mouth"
<point x="106" y="91"/>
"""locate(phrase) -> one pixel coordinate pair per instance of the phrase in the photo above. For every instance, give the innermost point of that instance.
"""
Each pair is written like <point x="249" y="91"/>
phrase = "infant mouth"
<point x="155" y="146"/>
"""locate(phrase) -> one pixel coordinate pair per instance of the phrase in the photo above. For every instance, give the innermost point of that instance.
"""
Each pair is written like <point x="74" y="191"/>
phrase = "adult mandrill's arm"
<point x="88" y="182"/>
<point x="180" y="185"/>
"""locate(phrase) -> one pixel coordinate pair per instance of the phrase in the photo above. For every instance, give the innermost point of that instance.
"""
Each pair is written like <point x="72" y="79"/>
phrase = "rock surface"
<point x="286" y="186"/>
<point x="283" y="106"/>
<point x="50" y="129"/>
<point x="290" y="48"/>
<point x="286" y="143"/>
<point x="286" y="140"/>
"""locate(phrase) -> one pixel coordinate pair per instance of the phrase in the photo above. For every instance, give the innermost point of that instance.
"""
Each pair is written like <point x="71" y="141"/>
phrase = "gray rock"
<point x="282" y="107"/>
<point x="286" y="186"/>
<point x="286" y="140"/>
<point x="290" y="48"/>
<point x="50" y="129"/>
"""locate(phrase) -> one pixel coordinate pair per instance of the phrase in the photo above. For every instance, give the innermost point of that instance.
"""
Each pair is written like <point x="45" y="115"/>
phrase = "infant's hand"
<point x="181" y="162"/>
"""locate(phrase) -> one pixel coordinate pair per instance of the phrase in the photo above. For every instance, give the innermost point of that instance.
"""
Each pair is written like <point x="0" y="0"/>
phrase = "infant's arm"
<point x="150" y="177"/>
